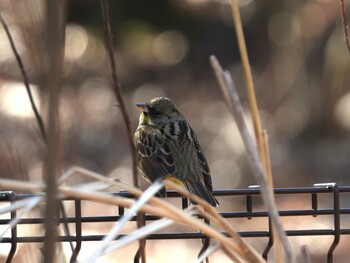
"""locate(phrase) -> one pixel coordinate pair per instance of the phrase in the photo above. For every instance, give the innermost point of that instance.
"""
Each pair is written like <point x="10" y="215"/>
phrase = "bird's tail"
<point x="198" y="188"/>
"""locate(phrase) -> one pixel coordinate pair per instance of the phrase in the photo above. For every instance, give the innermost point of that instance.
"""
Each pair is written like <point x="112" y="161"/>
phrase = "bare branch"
<point x="25" y="79"/>
<point x="109" y="41"/>
<point x="116" y="85"/>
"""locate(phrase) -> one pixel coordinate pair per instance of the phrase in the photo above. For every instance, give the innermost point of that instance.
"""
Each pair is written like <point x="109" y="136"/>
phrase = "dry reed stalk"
<point x="249" y="252"/>
<point x="277" y="242"/>
<point x="210" y="213"/>
<point x="248" y="77"/>
<point x="170" y="212"/>
<point x="276" y="239"/>
<point x="234" y="105"/>
<point x="213" y="215"/>
<point x="254" y="109"/>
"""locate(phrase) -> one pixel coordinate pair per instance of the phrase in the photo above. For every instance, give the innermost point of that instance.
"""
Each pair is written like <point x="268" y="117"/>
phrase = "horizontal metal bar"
<point x="4" y="196"/>
<point x="194" y="235"/>
<point x="240" y="214"/>
<point x="312" y="195"/>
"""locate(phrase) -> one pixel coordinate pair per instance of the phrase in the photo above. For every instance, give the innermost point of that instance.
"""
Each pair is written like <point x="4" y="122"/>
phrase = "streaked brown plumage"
<point x="167" y="146"/>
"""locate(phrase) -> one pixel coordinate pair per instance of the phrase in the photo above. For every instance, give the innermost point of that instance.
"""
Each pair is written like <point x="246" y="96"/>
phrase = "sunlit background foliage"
<point x="300" y="65"/>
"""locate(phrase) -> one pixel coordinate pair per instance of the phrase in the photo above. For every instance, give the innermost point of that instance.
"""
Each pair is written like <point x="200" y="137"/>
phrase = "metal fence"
<point x="249" y="195"/>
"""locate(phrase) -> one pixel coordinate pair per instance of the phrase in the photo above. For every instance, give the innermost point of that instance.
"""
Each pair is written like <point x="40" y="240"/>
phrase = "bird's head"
<point x="158" y="111"/>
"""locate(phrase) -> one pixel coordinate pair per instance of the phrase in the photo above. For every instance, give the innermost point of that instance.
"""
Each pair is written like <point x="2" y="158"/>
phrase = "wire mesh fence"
<point x="312" y="195"/>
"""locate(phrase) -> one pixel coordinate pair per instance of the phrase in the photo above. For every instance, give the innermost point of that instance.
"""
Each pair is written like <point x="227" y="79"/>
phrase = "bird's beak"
<point x="143" y="106"/>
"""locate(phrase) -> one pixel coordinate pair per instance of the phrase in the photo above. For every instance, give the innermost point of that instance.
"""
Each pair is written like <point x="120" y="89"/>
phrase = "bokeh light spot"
<point x="76" y="42"/>
<point x="94" y="54"/>
<point x="342" y="111"/>
<point x="15" y="101"/>
<point x="170" y="47"/>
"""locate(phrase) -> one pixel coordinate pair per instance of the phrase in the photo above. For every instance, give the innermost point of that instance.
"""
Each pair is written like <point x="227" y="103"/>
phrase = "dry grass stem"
<point x="16" y="205"/>
<point x="116" y="183"/>
<point x="81" y="194"/>
<point x="255" y="112"/>
<point x="114" y="232"/>
<point x="267" y="154"/>
<point x="210" y="213"/>
<point x="31" y="203"/>
<point x="277" y="241"/>
<point x="154" y="206"/>
<point x="210" y="250"/>
<point x="233" y="102"/>
<point x="248" y="76"/>
<point x="144" y="231"/>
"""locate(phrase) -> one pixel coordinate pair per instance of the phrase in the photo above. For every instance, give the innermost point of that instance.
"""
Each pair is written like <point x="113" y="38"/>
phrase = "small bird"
<point x="168" y="147"/>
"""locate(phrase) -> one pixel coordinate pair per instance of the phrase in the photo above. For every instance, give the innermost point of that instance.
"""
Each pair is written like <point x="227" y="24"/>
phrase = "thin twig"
<point x="233" y="102"/>
<point x="345" y="25"/>
<point x="109" y="40"/>
<point x="25" y="79"/>
<point x="116" y="85"/>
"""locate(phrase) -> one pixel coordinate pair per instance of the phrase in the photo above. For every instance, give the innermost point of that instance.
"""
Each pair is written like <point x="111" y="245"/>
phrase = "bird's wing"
<point x="203" y="161"/>
<point x="155" y="158"/>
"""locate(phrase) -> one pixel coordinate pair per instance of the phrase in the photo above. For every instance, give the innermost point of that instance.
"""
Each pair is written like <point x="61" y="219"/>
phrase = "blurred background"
<point x="300" y="68"/>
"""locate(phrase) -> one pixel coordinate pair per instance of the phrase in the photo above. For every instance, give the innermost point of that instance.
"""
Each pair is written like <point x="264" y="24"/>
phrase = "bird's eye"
<point x="154" y="113"/>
